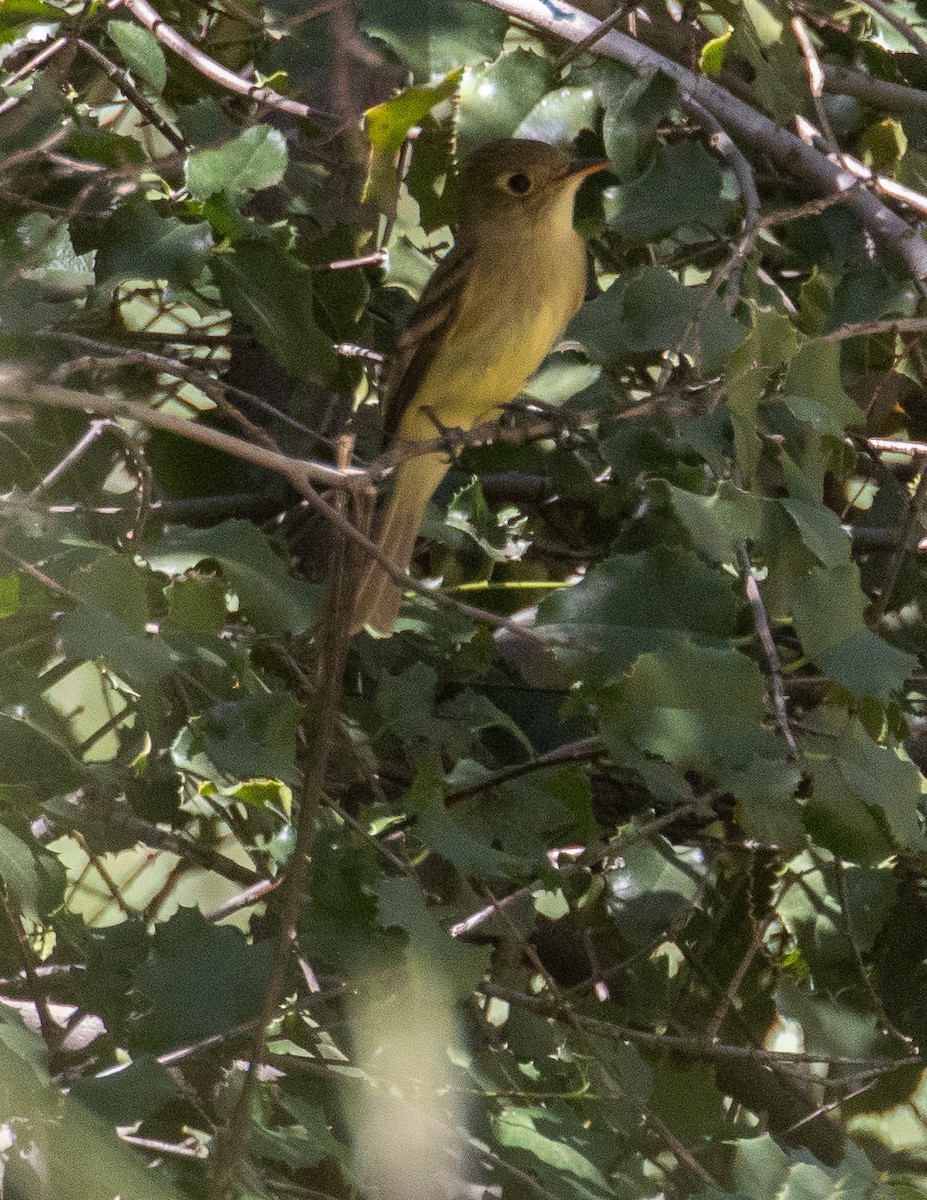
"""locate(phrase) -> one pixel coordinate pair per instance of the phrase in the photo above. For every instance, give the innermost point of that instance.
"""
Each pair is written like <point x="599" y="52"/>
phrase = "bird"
<point x="489" y="315"/>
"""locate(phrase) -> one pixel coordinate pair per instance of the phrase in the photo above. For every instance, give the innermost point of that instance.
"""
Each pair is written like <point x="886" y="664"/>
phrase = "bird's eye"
<point x="518" y="183"/>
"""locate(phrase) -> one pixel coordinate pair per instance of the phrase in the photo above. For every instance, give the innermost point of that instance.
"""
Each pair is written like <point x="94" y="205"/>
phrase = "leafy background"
<point x="603" y="877"/>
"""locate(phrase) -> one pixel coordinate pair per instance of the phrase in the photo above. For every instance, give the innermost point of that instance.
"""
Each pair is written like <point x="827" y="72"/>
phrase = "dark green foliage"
<point x="623" y="898"/>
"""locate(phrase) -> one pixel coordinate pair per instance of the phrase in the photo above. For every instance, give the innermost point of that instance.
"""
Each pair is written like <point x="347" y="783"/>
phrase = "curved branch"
<point x="168" y="36"/>
<point x="738" y="118"/>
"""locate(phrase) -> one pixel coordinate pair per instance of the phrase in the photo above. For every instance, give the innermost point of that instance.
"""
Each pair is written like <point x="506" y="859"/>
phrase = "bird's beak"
<point x="585" y="166"/>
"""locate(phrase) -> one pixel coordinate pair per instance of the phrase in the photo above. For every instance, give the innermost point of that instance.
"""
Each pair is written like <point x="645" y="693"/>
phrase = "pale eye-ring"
<point x="518" y="183"/>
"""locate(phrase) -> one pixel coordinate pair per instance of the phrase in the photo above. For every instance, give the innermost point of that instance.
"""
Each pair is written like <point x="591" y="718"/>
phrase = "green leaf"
<point x="767" y="808"/>
<point x="495" y="100"/>
<point x="9" y="594"/>
<point x="649" y="309"/>
<point x="18" y="870"/>
<point x="821" y="531"/>
<point x="128" y="1094"/>
<point x="92" y="634"/>
<point x="711" y="59"/>
<point x="253" y="738"/>
<point x="633" y="604"/>
<point x="268" y="593"/>
<point x="719" y="524"/>
<point x="115" y="584"/>
<point x="271" y="291"/>
<point x="14" y="13"/>
<point x="254" y="160"/>
<point x="698" y="707"/>
<point x="195" y="606"/>
<point x="813" y="374"/>
<point x="649" y="891"/>
<point x="136" y="243"/>
<point x="682" y="186"/>
<point x="866" y="792"/>
<point x="32" y="752"/>
<point x="442" y="834"/>
<point x="388" y="124"/>
<point x="401" y="904"/>
<point x="829" y="607"/>
<point x="435" y="36"/>
<point x="518" y="1128"/>
<point x="140" y="51"/>
<point x="24" y="309"/>
<point x="201" y="979"/>
<point x="560" y="116"/>
<point x="633" y="111"/>
<point x="770" y="344"/>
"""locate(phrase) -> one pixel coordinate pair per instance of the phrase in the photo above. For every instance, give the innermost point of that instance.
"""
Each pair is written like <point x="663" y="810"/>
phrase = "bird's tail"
<point x="379" y="597"/>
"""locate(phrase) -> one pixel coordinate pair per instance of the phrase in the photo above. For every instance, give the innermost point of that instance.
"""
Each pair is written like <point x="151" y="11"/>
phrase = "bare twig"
<point x="897" y="446"/>
<point x="590" y="39"/>
<point x="767" y="641"/>
<point x="77" y="451"/>
<point x="146" y="15"/>
<point x="815" y="76"/>
<point x="193" y="372"/>
<point x="16" y="386"/>
<point x="695" y="1046"/>
<point x="131" y="92"/>
<point x="870" y="328"/>
<point x="51" y="1030"/>
<point x="36" y="61"/>
<point x="611" y="849"/>
<point x="584" y="750"/>
<point x="743" y="172"/>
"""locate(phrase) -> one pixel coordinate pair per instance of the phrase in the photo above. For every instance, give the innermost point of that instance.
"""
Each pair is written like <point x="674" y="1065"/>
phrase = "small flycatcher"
<point x="485" y="322"/>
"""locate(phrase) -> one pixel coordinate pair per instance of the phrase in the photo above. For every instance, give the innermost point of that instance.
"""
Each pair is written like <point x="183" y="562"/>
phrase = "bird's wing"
<point x="433" y="317"/>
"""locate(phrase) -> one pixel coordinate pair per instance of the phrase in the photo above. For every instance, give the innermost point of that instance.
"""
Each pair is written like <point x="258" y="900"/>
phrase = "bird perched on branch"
<point x="486" y="320"/>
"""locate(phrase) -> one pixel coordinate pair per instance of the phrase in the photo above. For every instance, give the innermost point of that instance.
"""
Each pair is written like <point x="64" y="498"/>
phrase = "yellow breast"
<point x="518" y="299"/>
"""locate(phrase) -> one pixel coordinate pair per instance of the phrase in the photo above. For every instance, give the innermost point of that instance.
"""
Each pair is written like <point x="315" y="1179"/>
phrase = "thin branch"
<point x="146" y="15"/>
<point x="815" y="76"/>
<point x="590" y="39"/>
<point x="51" y="1030"/>
<point x="15" y="385"/>
<point x="194" y="373"/>
<point x="334" y="641"/>
<point x="897" y="446"/>
<point x="77" y="451"/>
<point x="768" y="642"/>
<point x="868" y="328"/>
<point x="695" y="1046"/>
<point x="131" y="92"/>
<point x="36" y="61"/>
<point x="584" y="750"/>
<point x="739" y="118"/>
<point x="611" y="849"/>
<point x="732" y="270"/>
